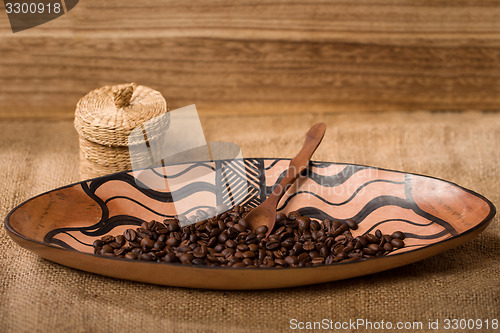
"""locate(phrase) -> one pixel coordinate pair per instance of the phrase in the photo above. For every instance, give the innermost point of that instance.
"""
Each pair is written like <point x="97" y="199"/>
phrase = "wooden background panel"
<point x="260" y="57"/>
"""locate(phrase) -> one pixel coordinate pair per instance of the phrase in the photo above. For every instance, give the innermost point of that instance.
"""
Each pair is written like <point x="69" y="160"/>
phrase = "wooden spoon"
<point x="265" y="213"/>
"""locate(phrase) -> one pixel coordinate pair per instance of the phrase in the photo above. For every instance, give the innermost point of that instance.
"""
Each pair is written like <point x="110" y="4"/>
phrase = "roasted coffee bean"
<point x="219" y="248"/>
<point x="130" y="255"/>
<point x="308" y="246"/>
<point x="349" y="247"/>
<point x="230" y="244"/>
<point x="242" y="247"/>
<point x="186" y="257"/>
<point x="146" y="256"/>
<point x="231" y="232"/>
<point x="215" y="232"/>
<point x="261" y="230"/>
<point x="222" y="237"/>
<point x="239" y="228"/>
<point x="172" y="225"/>
<point x="339" y="248"/>
<point x="323" y="252"/>
<point x="249" y="254"/>
<point x="172" y="241"/>
<point x="339" y="257"/>
<point x="280" y="218"/>
<point x="362" y="240"/>
<point x="120" y="252"/>
<point x="226" y="240"/>
<point x="212" y="242"/>
<point x="314" y="226"/>
<point x="352" y="224"/>
<point x="369" y="251"/>
<point x="193" y="238"/>
<point x="291" y="260"/>
<point x="352" y="259"/>
<point x="372" y="239"/>
<point x="313" y="254"/>
<point x="130" y="235"/>
<point x="287" y="243"/>
<point x="239" y="264"/>
<point x="153" y="225"/>
<point x="98" y="243"/>
<point x="318" y="260"/>
<point x="335" y="225"/>
<point x="398" y="235"/>
<point x="161" y="229"/>
<point x="396" y="242"/>
<point x="159" y="245"/>
<point x="198" y="261"/>
<point x="147" y="242"/>
<point x="327" y="225"/>
<point x="108" y="239"/>
<point x="273" y="245"/>
<point x="280" y="262"/>
<point x="303" y="223"/>
<point x="227" y="252"/>
<point x="340" y="230"/>
<point x="296" y="249"/>
<point x="107" y="249"/>
<point x="292" y="216"/>
<point x="247" y="261"/>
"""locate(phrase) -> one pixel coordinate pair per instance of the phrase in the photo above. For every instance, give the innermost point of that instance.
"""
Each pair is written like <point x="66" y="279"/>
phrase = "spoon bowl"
<point x="265" y="213"/>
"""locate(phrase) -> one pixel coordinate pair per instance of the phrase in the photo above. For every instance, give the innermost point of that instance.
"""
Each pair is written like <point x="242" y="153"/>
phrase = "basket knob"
<point x="123" y="95"/>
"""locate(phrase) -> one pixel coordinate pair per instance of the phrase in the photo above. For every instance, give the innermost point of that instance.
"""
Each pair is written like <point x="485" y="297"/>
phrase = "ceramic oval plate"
<point x="436" y="215"/>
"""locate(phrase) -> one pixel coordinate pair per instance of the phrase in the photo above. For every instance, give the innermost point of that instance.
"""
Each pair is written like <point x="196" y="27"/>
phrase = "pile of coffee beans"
<point x="225" y="240"/>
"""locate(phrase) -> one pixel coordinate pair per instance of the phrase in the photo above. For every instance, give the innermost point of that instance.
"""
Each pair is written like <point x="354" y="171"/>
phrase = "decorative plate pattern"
<point x="434" y="214"/>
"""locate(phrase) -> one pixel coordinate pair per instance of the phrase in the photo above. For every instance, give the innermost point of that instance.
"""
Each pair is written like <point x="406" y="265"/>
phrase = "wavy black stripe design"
<point x="112" y="223"/>
<point x="433" y="236"/>
<point x="359" y="189"/>
<point x="376" y="225"/>
<point x="60" y="243"/>
<point x="156" y="195"/>
<point x="136" y="202"/>
<point x="326" y="181"/>
<point x="76" y="239"/>
<point x="102" y="227"/>
<point x="372" y="205"/>
<point x="379" y="202"/>
<point x="317" y="213"/>
<point x="196" y="165"/>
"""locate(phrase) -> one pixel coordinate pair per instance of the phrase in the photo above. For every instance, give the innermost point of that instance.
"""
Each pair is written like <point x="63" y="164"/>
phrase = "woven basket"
<point x="104" y="119"/>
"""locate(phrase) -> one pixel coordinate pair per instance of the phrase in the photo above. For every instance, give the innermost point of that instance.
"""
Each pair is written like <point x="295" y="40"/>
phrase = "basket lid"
<point x="109" y="114"/>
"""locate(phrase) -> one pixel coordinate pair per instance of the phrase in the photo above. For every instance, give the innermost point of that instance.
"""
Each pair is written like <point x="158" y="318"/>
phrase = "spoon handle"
<point x="299" y="163"/>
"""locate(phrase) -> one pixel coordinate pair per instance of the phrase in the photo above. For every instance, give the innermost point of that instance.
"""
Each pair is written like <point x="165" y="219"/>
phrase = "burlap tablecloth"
<point x="39" y="296"/>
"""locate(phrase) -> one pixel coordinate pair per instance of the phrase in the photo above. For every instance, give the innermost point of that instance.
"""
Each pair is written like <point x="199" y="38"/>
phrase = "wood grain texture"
<point x="245" y="57"/>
